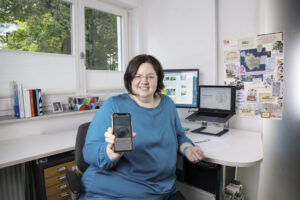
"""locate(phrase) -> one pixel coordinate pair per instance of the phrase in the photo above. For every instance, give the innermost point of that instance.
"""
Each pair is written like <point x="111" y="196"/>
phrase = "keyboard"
<point x="212" y="114"/>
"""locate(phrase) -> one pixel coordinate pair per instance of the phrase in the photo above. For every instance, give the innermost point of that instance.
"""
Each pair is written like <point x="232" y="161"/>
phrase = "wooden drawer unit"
<point x="57" y="174"/>
<point x="61" y="196"/>
<point x="58" y="191"/>
<point x="55" y="181"/>
<point x="51" y="176"/>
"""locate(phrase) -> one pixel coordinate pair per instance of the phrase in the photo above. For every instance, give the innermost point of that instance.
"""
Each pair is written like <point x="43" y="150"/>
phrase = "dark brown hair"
<point x="133" y="67"/>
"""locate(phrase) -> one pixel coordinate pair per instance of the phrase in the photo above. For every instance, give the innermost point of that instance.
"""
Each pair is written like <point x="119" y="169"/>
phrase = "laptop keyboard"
<point x="210" y="114"/>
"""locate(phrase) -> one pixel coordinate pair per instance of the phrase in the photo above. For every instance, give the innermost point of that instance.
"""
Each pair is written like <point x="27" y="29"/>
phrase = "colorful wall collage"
<point x="255" y="66"/>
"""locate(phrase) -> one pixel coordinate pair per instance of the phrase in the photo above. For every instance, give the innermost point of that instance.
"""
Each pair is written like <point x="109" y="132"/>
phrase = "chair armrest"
<point x="74" y="182"/>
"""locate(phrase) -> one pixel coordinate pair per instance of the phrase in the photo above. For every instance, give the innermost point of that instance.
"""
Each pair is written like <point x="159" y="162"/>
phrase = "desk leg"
<point x="230" y="174"/>
<point x="226" y="175"/>
<point x="221" y="178"/>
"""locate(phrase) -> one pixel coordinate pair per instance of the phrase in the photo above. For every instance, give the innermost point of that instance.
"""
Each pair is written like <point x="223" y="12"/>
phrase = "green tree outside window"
<point x="39" y="26"/>
<point x="101" y="35"/>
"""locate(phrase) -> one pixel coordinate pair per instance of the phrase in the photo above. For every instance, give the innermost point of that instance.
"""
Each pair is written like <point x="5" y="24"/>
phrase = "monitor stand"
<point x="208" y="130"/>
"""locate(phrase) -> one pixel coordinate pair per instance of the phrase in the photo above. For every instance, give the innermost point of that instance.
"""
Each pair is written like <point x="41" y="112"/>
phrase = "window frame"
<point x="122" y="28"/>
<point x="83" y="74"/>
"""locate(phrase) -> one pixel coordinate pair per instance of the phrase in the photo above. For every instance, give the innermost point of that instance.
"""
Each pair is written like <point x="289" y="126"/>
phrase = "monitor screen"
<point x="181" y="85"/>
<point x="217" y="98"/>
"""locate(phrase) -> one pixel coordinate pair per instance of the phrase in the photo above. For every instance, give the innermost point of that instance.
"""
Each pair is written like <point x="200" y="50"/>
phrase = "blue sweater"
<point x="146" y="173"/>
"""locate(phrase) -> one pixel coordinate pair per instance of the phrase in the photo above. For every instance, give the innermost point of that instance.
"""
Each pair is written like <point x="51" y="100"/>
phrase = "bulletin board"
<point x="255" y="66"/>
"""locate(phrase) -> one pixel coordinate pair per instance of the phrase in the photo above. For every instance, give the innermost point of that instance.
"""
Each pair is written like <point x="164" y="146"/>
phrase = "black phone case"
<point x="124" y="145"/>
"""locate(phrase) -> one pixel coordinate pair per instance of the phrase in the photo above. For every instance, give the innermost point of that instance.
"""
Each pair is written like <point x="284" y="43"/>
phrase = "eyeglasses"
<point x="148" y="77"/>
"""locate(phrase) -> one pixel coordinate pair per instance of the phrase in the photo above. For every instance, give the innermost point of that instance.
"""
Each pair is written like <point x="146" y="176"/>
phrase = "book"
<point x="14" y="86"/>
<point x="31" y="103"/>
<point x="21" y="101"/>
<point x="34" y="102"/>
<point x="26" y="99"/>
<point x="39" y="104"/>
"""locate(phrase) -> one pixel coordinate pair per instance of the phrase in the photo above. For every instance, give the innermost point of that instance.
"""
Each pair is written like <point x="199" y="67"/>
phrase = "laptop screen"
<point x="217" y="98"/>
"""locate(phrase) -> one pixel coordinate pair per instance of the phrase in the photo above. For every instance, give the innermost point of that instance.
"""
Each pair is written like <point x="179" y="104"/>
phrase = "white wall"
<point x="181" y="34"/>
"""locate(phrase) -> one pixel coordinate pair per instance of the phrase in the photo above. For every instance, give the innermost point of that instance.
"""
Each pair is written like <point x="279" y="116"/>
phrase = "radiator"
<point x="12" y="183"/>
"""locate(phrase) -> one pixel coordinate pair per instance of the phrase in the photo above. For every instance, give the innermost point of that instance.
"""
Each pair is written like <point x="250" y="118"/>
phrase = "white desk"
<point x="31" y="147"/>
<point x="236" y="148"/>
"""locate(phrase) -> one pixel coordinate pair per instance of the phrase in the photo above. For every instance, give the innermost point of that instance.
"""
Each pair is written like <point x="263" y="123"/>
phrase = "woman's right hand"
<point x="110" y="139"/>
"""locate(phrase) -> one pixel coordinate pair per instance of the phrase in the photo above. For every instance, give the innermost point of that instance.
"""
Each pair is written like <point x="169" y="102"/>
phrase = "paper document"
<point x="213" y="129"/>
<point x="208" y="144"/>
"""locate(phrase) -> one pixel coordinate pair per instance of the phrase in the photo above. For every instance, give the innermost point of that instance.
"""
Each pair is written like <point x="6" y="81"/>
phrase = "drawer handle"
<point x="64" y="195"/>
<point x="73" y="168"/>
<point x="63" y="187"/>
<point x="61" y="169"/>
<point x="62" y="178"/>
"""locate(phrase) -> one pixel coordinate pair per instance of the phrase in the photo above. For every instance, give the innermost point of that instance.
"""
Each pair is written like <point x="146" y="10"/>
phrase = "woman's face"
<point x="144" y="83"/>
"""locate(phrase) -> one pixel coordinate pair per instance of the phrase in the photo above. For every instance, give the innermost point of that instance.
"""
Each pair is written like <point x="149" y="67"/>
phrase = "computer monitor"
<point x="181" y="85"/>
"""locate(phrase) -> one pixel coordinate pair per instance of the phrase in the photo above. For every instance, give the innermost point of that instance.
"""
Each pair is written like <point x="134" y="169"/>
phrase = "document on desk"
<point x="210" y="144"/>
<point x="213" y="129"/>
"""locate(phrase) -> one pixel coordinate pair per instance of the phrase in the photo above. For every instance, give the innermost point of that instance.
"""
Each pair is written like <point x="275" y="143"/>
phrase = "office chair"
<point x="74" y="177"/>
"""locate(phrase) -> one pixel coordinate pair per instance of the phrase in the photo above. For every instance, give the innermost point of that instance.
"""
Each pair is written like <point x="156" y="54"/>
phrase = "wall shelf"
<point x="48" y="114"/>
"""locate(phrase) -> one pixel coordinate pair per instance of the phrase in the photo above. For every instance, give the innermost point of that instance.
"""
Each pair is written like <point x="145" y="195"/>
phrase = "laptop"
<point x="216" y="104"/>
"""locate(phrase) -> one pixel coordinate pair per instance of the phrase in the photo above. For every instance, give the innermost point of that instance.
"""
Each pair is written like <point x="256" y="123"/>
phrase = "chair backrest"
<point x="80" y="140"/>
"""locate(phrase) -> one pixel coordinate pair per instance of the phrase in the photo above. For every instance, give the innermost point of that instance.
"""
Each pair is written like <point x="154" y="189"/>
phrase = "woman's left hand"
<point x="194" y="154"/>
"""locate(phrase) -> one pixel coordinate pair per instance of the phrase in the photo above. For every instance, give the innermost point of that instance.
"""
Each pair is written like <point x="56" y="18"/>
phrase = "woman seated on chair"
<point x="148" y="172"/>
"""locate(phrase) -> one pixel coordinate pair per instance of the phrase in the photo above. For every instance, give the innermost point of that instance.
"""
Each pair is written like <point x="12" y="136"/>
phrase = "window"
<point x="102" y="40"/>
<point x="36" y="25"/>
<point x="76" y="38"/>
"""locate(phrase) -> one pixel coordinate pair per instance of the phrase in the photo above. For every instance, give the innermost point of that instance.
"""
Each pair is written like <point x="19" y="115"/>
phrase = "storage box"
<point x="83" y="103"/>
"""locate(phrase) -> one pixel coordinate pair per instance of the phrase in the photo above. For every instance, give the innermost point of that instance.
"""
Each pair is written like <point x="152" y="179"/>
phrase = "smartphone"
<point x="123" y="131"/>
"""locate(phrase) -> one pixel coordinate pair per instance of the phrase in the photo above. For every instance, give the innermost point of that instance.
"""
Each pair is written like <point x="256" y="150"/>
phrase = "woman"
<point x="148" y="172"/>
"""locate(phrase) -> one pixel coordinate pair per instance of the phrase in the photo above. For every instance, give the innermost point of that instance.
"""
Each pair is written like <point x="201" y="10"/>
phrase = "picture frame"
<point x="57" y="107"/>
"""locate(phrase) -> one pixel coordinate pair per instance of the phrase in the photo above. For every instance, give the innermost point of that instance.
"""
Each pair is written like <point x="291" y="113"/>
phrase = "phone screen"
<point x="123" y="132"/>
